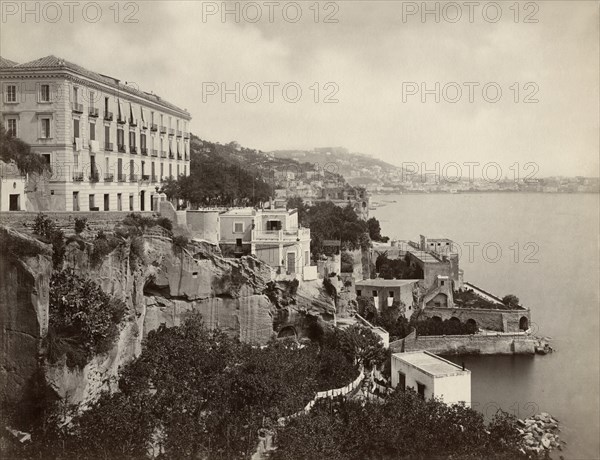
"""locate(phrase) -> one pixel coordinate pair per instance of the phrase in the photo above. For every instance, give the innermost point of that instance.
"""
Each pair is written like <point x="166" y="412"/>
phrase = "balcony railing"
<point x="133" y="178"/>
<point x="163" y="130"/>
<point x="153" y="127"/>
<point x="122" y="178"/>
<point x="93" y="112"/>
<point x="293" y="234"/>
<point x="77" y="177"/>
<point x="109" y="177"/>
<point x="145" y="178"/>
<point x="94" y="177"/>
<point x="163" y="154"/>
<point x="122" y="148"/>
<point x="108" y="116"/>
<point x="132" y="149"/>
<point x="108" y="146"/>
<point x="186" y="135"/>
<point x="171" y="131"/>
<point x="122" y="121"/>
<point x="78" y="108"/>
<point x="144" y="125"/>
<point x="132" y="122"/>
<point x="153" y="179"/>
<point x="171" y="155"/>
<point x="144" y="151"/>
<point x="154" y="152"/>
<point x="179" y="156"/>
<point x="179" y="133"/>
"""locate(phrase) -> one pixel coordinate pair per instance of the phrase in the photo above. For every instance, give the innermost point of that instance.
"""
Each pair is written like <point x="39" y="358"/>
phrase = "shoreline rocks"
<point x="540" y="433"/>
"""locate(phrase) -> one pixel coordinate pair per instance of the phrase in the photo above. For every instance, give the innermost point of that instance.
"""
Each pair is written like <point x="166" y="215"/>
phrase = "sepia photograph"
<point x="300" y="230"/>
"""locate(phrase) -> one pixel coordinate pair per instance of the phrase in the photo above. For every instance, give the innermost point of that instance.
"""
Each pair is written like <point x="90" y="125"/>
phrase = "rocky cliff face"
<point x="171" y="285"/>
<point x="25" y="270"/>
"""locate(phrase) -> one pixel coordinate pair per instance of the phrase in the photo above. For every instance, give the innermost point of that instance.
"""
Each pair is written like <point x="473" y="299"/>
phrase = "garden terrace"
<point x="468" y="298"/>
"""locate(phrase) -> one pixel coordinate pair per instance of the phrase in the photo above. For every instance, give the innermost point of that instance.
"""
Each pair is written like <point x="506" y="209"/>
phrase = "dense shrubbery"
<point x="80" y="224"/>
<point x="435" y="326"/>
<point x="46" y="229"/>
<point x="347" y="262"/>
<point x="396" y="268"/>
<point x="15" y="150"/>
<point x="208" y="393"/>
<point x="404" y="426"/>
<point x="83" y="319"/>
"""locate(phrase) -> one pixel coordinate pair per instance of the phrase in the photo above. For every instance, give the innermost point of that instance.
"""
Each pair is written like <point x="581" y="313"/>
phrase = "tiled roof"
<point x="6" y="62"/>
<point x="53" y="62"/>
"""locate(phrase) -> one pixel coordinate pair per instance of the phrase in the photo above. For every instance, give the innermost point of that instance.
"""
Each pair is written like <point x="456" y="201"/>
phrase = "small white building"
<point x="431" y="376"/>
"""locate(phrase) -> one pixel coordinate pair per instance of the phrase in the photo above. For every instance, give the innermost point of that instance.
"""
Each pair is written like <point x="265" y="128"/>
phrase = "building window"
<point x="45" y="123"/>
<point x="358" y="293"/>
<point x="92" y="131"/>
<point x="11" y="93"/>
<point x="391" y="294"/>
<point x="76" y="128"/>
<point x="131" y="201"/>
<point x="44" y="93"/>
<point x="170" y="171"/>
<point x="11" y="127"/>
<point x="442" y="282"/>
<point x="119" y="202"/>
<point x="421" y="390"/>
<point x="238" y="227"/>
<point x="75" y="94"/>
<point x="162" y="170"/>
<point x="92" y="95"/>
<point x="375" y="294"/>
<point x="92" y="202"/>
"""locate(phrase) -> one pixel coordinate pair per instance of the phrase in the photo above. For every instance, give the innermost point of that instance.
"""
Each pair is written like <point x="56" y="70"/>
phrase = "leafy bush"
<point x="165" y="223"/>
<point x="102" y="246"/>
<point x="403" y="427"/>
<point x="434" y="326"/>
<point x="180" y="242"/>
<point x="80" y="224"/>
<point x="329" y="288"/>
<point x="82" y="316"/>
<point x="347" y="262"/>
<point x="47" y="230"/>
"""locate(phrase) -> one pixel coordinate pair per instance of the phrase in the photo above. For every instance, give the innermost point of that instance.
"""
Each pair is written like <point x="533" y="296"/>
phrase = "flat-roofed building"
<point x="431" y="376"/>
<point x="385" y="292"/>
<point x="110" y="144"/>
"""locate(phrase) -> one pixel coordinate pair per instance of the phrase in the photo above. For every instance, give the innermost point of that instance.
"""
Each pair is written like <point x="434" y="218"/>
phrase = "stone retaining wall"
<point x="497" y="344"/>
<point x="494" y="320"/>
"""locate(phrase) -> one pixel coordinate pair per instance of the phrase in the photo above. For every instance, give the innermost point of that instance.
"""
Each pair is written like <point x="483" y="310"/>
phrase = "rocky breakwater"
<point x="540" y="433"/>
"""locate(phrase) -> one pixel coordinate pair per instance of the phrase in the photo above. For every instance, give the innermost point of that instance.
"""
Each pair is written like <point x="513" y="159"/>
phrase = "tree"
<point x="13" y="149"/>
<point x="510" y="300"/>
<point x="375" y="230"/>
<point x="297" y="203"/>
<point x="362" y="346"/>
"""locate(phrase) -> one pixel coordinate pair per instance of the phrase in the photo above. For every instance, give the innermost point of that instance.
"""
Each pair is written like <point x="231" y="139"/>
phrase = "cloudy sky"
<point x="367" y="65"/>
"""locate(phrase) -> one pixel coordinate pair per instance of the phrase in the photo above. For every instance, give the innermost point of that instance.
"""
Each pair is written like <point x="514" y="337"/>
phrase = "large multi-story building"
<point x="110" y="144"/>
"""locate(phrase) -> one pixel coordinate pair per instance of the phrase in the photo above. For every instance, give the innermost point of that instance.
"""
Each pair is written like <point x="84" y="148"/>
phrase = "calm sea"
<point x="544" y="248"/>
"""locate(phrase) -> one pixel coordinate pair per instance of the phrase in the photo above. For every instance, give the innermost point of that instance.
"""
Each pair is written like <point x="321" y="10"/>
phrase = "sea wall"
<point x="492" y="344"/>
<point x="493" y="320"/>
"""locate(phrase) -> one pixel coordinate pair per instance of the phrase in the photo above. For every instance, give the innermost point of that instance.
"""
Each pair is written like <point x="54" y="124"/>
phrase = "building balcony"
<point x="109" y="178"/>
<point x="171" y="156"/>
<point x="77" y="108"/>
<point x="179" y="156"/>
<point x="145" y="178"/>
<point x="294" y="234"/>
<point x="77" y="177"/>
<point x="153" y="127"/>
<point x="93" y="112"/>
<point x="179" y="133"/>
<point x="122" y="148"/>
<point x="108" y="146"/>
<point x="108" y="116"/>
<point x="94" y="177"/>
<point x="133" y="178"/>
<point x="144" y="151"/>
<point x="154" y="152"/>
<point x="133" y="149"/>
<point x="132" y="122"/>
<point x="163" y="130"/>
<point x="171" y="132"/>
<point x="122" y="178"/>
<point x="144" y="125"/>
<point x="186" y="135"/>
<point x="121" y="121"/>
<point x="163" y="154"/>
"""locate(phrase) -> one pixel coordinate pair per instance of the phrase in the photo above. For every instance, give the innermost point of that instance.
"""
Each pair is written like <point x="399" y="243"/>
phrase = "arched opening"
<point x="436" y="318"/>
<point x="524" y="323"/>
<point x="287" y="331"/>
<point x="454" y="319"/>
<point x="471" y="326"/>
